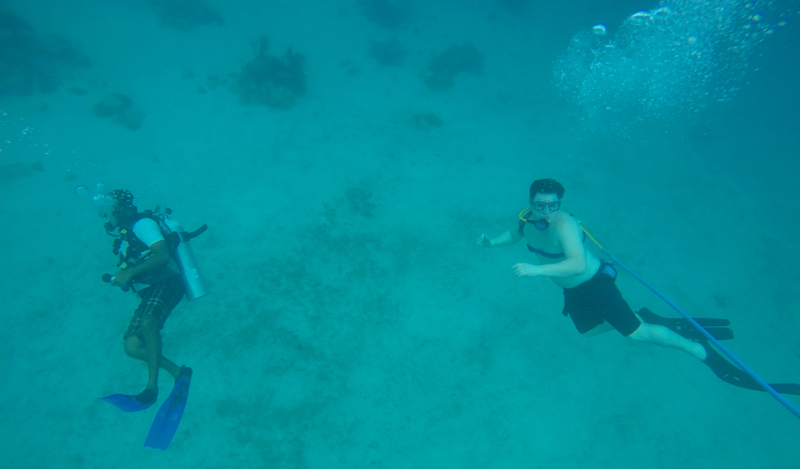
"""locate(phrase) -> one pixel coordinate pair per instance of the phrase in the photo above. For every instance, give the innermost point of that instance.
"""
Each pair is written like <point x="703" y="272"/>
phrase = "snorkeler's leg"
<point x="600" y="329"/>
<point x="664" y="337"/>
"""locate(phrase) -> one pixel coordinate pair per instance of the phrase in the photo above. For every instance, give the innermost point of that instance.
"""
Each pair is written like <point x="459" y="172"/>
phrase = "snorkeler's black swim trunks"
<point x="159" y="300"/>
<point x="597" y="300"/>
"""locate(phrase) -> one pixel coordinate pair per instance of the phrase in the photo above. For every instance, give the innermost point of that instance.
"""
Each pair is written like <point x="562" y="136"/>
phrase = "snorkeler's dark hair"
<point x="547" y="186"/>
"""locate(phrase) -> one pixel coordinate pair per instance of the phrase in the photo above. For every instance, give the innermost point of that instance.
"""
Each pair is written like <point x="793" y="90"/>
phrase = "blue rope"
<point x="772" y="392"/>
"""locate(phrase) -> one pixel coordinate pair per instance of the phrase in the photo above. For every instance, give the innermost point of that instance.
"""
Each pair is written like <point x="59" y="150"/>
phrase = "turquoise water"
<point x="352" y="321"/>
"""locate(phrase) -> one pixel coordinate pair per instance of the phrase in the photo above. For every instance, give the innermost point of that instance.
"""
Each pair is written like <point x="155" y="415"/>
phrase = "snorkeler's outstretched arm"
<point x="506" y="238"/>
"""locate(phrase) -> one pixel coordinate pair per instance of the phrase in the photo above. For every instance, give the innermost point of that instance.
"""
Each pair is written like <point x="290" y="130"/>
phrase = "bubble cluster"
<point x="665" y="63"/>
<point x="17" y="138"/>
<point x="95" y="191"/>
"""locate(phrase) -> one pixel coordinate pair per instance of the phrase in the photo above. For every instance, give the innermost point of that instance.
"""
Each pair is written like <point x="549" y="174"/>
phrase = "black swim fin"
<point x="715" y="327"/>
<point x="731" y="374"/>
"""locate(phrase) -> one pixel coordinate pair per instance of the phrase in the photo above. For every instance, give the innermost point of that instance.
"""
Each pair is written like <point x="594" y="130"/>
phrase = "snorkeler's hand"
<point x="525" y="270"/>
<point x="484" y="241"/>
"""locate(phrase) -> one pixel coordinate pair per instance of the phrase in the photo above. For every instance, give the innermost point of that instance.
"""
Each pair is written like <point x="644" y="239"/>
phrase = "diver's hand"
<point x="484" y="241"/>
<point x="525" y="270"/>
<point x="121" y="278"/>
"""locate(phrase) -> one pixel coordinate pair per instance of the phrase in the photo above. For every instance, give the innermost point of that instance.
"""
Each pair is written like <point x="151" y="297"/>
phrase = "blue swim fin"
<point x="169" y="415"/>
<point x="125" y="402"/>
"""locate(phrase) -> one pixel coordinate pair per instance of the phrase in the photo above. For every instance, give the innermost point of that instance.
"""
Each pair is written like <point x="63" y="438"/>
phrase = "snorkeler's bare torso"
<point x="547" y="241"/>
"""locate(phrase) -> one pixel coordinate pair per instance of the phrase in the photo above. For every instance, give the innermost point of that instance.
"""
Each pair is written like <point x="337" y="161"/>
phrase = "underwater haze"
<point x="346" y="154"/>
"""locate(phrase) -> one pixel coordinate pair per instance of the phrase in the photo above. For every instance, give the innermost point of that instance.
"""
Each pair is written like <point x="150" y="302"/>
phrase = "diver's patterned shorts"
<point x="159" y="300"/>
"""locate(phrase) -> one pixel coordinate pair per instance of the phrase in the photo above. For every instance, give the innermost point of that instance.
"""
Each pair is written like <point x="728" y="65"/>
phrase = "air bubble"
<point x="663" y="64"/>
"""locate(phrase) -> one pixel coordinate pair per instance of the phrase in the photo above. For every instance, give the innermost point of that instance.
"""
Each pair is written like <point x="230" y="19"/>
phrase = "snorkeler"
<point x="591" y="297"/>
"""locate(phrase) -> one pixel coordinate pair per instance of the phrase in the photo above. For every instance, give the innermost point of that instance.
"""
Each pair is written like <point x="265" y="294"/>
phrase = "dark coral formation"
<point x="387" y="53"/>
<point x="426" y="120"/>
<point x="29" y="63"/>
<point x="271" y="80"/>
<point x="119" y="108"/>
<point x="359" y="201"/>
<point x="12" y="172"/>
<point x="185" y="14"/>
<point x="385" y="13"/>
<point x="351" y="67"/>
<point x="444" y="66"/>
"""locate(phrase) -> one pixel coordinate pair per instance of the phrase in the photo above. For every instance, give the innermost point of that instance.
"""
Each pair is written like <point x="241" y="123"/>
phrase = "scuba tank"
<point x="178" y="239"/>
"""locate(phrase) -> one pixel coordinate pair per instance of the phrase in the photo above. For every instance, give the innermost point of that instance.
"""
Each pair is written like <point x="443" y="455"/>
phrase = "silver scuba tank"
<point x="193" y="281"/>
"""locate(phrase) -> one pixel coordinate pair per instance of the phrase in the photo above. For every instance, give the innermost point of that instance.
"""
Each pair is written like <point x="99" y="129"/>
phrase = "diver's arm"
<point x="508" y="237"/>
<point x="574" y="262"/>
<point x="159" y="257"/>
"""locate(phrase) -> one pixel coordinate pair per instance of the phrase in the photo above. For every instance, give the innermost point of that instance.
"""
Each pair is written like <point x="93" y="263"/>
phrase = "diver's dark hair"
<point x="547" y="186"/>
<point x="122" y="197"/>
<point x="123" y="208"/>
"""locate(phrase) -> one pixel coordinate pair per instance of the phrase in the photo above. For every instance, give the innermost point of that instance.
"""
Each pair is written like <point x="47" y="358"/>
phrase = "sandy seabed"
<point x="353" y="322"/>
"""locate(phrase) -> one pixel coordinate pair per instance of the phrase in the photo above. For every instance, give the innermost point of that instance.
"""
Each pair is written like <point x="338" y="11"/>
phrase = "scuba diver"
<point x="591" y="297"/>
<point x="155" y="262"/>
<point x="145" y="261"/>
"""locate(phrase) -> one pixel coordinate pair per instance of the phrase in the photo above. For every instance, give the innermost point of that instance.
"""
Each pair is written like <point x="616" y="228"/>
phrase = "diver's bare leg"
<point x="135" y="348"/>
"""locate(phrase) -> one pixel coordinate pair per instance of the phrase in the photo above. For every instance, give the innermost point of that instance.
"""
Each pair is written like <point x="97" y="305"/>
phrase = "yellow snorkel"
<point x="591" y="237"/>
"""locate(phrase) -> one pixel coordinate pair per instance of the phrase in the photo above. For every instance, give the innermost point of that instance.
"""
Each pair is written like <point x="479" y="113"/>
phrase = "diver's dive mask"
<point x="116" y="206"/>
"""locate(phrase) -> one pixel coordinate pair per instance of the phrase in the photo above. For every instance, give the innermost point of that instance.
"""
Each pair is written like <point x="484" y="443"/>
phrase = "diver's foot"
<point x="184" y="371"/>
<point x="148" y="396"/>
<point x="174" y="372"/>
